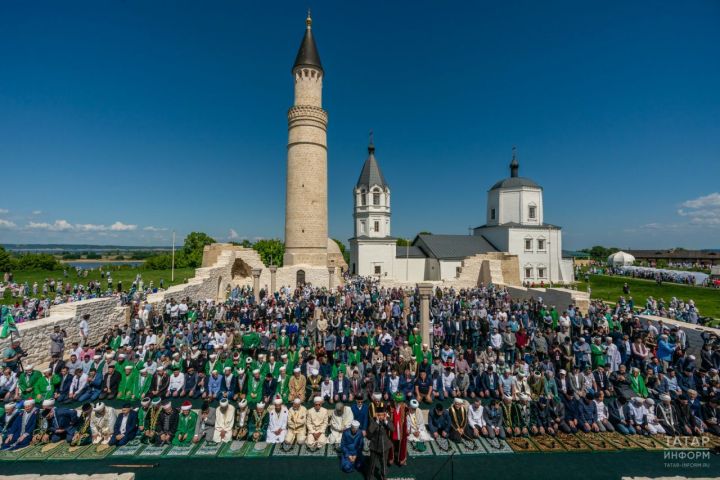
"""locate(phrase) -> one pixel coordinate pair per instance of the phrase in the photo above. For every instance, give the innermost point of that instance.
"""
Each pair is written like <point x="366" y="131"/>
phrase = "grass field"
<point x="611" y="288"/>
<point x="124" y="274"/>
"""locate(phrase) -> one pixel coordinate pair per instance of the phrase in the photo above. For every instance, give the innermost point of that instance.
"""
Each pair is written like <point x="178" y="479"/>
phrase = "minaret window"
<point x="376" y="226"/>
<point x="376" y="198"/>
<point x="541" y="244"/>
<point x="532" y="212"/>
<point x="363" y="199"/>
<point x="528" y="244"/>
<point x="492" y="214"/>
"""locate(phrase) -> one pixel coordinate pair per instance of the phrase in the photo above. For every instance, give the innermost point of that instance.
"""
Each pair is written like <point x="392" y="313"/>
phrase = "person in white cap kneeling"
<point x="224" y="420"/>
<point x="297" y="420"/>
<point x="102" y="423"/>
<point x="416" y="423"/>
<point x="278" y="422"/>
<point x="351" y="448"/>
<point x="317" y="423"/>
<point x="258" y="423"/>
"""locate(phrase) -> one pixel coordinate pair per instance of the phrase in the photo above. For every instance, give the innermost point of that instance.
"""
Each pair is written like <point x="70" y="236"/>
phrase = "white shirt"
<point x="326" y="389"/>
<point x="177" y="382"/>
<point x="78" y="383"/>
<point x="475" y="417"/>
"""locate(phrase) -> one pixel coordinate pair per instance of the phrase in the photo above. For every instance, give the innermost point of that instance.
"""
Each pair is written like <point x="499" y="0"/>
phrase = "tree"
<point x="401" y="242"/>
<point x="598" y="252"/>
<point x="193" y="249"/>
<point x="425" y="233"/>
<point x="343" y="250"/>
<point x="5" y="261"/>
<point x="271" y="251"/>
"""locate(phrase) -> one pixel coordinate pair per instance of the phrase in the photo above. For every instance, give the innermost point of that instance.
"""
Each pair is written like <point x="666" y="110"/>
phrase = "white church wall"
<point x="409" y="270"/>
<point x="449" y="269"/>
<point x="510" y="206"/>
<point x="372" y="255"/>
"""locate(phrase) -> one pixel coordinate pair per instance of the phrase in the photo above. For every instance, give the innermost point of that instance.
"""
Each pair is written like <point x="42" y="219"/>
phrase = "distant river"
<point x="97" y="264"/>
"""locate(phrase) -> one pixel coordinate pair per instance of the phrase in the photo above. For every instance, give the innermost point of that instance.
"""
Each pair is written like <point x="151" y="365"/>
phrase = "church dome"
<point x="514" y="181"/>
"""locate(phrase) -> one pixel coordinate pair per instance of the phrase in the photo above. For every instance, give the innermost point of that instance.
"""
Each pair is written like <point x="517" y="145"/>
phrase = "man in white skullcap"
<point x="224" y="420"/>
<point x="9" y="426"/>
<point x="102" y="423"/>
<point x="653" y="424"/>
<point x="339" y="421"/>
<point x="297" y="421"/>
<point x="297" y="384"/>
<point x="351" y="448"/>
<point x="416" y="423"/>
<point x="258" y="423"/>
<point x="278" y="422"/>
<point x="317" y="423"/>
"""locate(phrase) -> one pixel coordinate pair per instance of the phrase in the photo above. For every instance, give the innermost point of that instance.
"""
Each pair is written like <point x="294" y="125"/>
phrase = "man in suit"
<point x="126" y="427"/>
<point x="63" y="389"/>
<point x="61" y="422"/>
<point x="159" y="384"/>
<point x="341" y="388"/>
<point x="564" y="385"/>
<point x="110" y="383"/>
<point x="9" y="426"/>
<point x="489" y="384"/>
<point x="28" y="424"/>
<point x="167" y="424"/>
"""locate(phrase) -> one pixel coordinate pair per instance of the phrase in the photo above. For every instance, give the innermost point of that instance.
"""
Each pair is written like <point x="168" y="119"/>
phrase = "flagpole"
<point x="172" y="271"/>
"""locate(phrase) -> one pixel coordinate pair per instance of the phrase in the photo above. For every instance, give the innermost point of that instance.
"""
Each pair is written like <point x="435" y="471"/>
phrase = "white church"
<point x="515" y="226"/>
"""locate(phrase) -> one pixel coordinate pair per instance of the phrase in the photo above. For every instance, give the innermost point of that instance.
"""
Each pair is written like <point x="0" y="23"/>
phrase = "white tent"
<point x="620" y="259"/>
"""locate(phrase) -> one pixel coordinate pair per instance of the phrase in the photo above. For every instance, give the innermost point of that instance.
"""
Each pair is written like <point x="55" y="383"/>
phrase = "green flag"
<point x="8" y="326"/>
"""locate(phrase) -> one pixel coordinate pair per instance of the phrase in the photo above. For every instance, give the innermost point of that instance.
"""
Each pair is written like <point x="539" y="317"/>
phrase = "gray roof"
<point x="371" y="174"/>
<point x="520" y="225"/>
<point x="409" y="252"/>
<point x="453" y="246"/>
<point x="515" y="182"/>
<point x="308" y="55"/>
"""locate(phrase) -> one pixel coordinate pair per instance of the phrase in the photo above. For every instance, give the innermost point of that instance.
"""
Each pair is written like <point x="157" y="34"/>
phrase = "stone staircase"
<point x="480" y="268"/>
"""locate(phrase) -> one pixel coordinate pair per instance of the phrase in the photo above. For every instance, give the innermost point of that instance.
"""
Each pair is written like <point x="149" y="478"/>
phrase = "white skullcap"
<point x="256" y="371"/>
<point x="458" y="401"/>
<point x="277" y="401"/>
<point x="414" y="403"/>
<point x="128" y="366"/>
<point x="9" y="405"/>
<point x="665" y="397"/>
<point x="297" y="401"/>
<point x="29" y="401"/>
<point x="227" y="368"/>
<point x="143" y="370"/>
<point x="160" y="368"/>
<point x="563" y="372"/>
<point x="186" y="407"/>
<point x="29" y="366"/>
<point x="214" y="371"/>
<point x="315" y="371"/>
<point x="243" y="403"/>
<point x="355" y="424"/>
<point x="260" y="405"/>
<point x="99" y="407"/>
<point x="296" y="370"/>
<point x="223" y="401"/>
<point x="377" y="396"/>
<point x="48" y="403"/>
<point x="650" y="401"/>
<point x="97" y="357"/>
<point x="282" y="369"/>
<point x="241" y="371"/>
<point x="318" y="400"/>
<point x="47" y="370"/>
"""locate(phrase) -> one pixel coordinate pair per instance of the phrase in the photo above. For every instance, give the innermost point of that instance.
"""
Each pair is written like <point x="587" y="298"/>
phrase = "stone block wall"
<point x="560" y="297"/>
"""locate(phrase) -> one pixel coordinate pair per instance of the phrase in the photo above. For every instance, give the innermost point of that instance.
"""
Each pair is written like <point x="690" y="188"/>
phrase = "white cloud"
<point x="150" y="228"/>
<point x="57" y="226"/>
<point x="703" y="211"/>
<point x="89" y="227"/>
<point x="4" y="211"/>
<point x="6" y="224"/>
<point x="122" y="227"/>
<point x="233" y="235"/>
<point x="37" y="212"/>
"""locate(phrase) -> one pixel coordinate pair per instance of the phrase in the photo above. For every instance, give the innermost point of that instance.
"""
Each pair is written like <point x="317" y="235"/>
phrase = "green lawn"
<point x="127" y="275"/>
<point x="610" y="289"/>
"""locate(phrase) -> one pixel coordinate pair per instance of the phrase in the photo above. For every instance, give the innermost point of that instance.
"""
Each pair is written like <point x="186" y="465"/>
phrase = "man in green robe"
<point x="598" y="353"/>
<point x="44" y="387"/>
<point x="255" y="385"/>
<point x="186" y="425"/>
<point x="127" y="383"/>
<point x="258" y="423"/>
<point x="141" y="384"/>
<point x="27" y="381"/>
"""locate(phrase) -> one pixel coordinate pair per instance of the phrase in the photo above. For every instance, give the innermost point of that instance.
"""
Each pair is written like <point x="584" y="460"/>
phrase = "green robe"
<point x="254" y="394"/>
<point x="638" y="385"/>
<point x="598" y="355"/>
<point x="27" y="383"/>
<point x="127" y="385"/>
<point x="283" y="342"/>
<point x="186" y="426"/>
<point x="251" y="340"/>
<point x="283" y="388"/>
<point x="140" y="392"/>
<point x="293" y="358"/>
<point x="44" y="388"/>
<point x="258" y="423"/>
<point x="555" y="318"/>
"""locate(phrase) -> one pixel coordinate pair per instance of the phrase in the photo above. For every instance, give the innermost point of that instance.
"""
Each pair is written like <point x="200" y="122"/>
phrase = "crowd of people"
<point x="313" y="367"/>
<point x="34" y="301"/>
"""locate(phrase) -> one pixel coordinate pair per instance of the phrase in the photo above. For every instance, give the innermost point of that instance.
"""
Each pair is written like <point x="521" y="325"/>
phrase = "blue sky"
<point x="121" y="121"/>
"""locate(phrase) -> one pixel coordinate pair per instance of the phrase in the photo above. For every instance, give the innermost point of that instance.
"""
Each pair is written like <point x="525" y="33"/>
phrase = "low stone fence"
<point x="560" y="297"/>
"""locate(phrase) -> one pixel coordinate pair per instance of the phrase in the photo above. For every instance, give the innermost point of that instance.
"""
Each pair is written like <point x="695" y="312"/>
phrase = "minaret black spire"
<point x="514" y="165"/>
<point x="308" y="55"/>
<point x="371" y="144"/>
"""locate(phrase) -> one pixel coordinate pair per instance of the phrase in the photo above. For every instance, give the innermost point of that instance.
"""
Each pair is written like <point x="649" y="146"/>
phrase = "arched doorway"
<point x="300" y="278"/>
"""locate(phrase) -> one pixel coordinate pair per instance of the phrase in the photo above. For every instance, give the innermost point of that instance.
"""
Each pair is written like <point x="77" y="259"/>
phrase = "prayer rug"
<point x="621" y="441"/>
<point x="40" y="452"/>
<point x="292" y="451"/>
<point x="9" y="455"/>
<point x="522" y="445"/>
<point x="474" y="447"/>
<point x="95" y="452"/>
<point x="129" y="449"/>
<point x="180" y="450"/>
<point x="648" y="443"/>
<point x="320" y="452"/>
<point x="496" y="445"/>
<point x="597" y="442"/>
<point x="548" y="443"/>
<point x="414" y="452"/>
<point x="153" y="451"/>
<point x="66" y="452"/>
<point x="208" y="449"/>
<point x="573" y="443"/>
<point x="451" y="448"/>
<point x="258" y="449"/>
<point x="236" y="448"/>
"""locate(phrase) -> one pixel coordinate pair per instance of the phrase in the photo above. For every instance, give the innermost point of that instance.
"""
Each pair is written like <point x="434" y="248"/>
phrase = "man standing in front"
<point x="379" y="433"/>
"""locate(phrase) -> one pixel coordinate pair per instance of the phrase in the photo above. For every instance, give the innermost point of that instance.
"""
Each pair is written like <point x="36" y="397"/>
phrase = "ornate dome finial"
<point x="308" y="21"/>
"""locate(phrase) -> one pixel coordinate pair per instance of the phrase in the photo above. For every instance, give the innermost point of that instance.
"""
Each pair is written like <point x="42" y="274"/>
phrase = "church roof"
<point x="447" y="247"/>
<point x="515" y="181"/>
<point x="308" y="55"/>
<point x="371" y="174"/>
<point x="409" y="252"/>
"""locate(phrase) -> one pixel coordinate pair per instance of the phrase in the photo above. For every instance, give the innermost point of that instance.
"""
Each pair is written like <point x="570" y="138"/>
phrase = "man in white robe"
<point x="317" y="422"/>
<point x="340" y="420"/>
<point x="416" y="423"/>
<point x="278" y="422"/>
<point x="102" y="423"/>
<point x="224" y="420"/>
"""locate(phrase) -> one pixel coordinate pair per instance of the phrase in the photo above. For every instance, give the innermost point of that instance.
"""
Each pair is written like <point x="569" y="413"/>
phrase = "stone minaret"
<point x="306" y="224"/>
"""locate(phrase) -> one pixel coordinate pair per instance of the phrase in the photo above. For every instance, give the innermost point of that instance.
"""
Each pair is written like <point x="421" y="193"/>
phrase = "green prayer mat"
<point x="208" y="449"/>
<point x="258" y="449"/>
<point x="93" y="452"/>
<point x="66" y="452"/>
<point x="9" y="455"/>
<point x="38" y="452"/>
<point x="129" y="449"/>
<point x="320" y="452"/>
<point x="452" y="448"/>
<point x="414" y="452"/>
<point x="153" y="451"/>
<point x="181" y="450"/>
<point x="472" y="448"/>
<point x="293" y="451"/>
<point x="233" y="449"/>
<point x="496" y="445"/>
